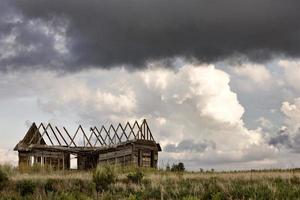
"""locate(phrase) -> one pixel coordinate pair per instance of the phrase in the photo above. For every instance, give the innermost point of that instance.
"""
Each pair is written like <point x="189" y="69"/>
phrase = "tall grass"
<point x="132" y="183"/>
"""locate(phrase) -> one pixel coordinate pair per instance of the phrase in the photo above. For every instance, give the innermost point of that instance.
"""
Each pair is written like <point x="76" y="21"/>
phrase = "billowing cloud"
<point x="199" y="109"/>
<point x="75" y="34"/>
<point x="289" y="134"/>
<point x="192" y="111"/>
<point x="252" y="77"/>
<point x="189" y="146"/>
<point x="292" y="115"/>
<point x="291" y="70"/>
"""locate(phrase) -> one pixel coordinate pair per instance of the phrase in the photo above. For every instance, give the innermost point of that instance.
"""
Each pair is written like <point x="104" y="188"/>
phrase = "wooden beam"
<point x="123" y="133"/>
<point x="91" y="137"/>
<point x="131" y="130"/>
<point x="54" y="134"/>
<point x="45" y="131"/>
<point x="61" y="135"/>
<point x="108" y="135"/>
<point x="69" y="137"/>
<point x="75" y="135"/>
<point x="35" y="133"/>
<point x="139" y="131"/>
<point x="93" y="132"/>
<point x="144" y="129"/>
<point x="148" y="129"/>
<point x="85" y="135"/>
<point x="115" y="132"/>
<point x="95" y="128"/>
<point x="146" y="132"/>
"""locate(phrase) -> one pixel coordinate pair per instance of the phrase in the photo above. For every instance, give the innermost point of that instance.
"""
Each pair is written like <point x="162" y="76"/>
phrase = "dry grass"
<point x="60" y="175"/>
<point x="158" y="175"/>
<point x="157" y="184"/>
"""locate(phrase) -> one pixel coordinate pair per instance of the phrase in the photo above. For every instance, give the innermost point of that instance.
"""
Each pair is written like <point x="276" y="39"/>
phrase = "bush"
<point x="103" y="177"/>
<point x="25" y="187"/>
<point x="3" y="178"/>
<point x="132" y="197"/>
<point x="69" y="196"/>
<point x="51" y="186"/>
<point x="178" y="167"/>
<point x="190" y="198"/>
<point x="7" y="168"/>
<point x="135" y="177"/>
<point x="168" y="168"/>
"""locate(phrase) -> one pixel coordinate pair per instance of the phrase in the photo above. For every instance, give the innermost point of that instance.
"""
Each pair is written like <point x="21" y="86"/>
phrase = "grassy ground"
<point x="154" y="184"/>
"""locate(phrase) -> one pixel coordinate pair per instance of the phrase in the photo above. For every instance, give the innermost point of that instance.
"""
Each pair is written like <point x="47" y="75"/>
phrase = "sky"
<point x="217" y="81"/>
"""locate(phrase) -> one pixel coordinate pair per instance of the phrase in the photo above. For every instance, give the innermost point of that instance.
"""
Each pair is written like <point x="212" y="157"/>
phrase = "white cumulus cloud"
<point x="193" y="103"/>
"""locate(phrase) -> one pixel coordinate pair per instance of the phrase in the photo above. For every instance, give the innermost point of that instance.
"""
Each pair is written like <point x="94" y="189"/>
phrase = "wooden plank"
<point x="115" y="154"/>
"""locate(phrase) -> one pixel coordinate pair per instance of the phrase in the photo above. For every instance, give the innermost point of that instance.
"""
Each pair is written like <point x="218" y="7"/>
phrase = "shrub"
<point x="51" y="185"/>
<point x="168" y="168"/>
<point x="103" y="177"/>
<point x="25" y="187"/>
<point x="178" y="167"/>
<point x="132" y="197"/>
<point x="152" y="193"/>
<point x="7" y="168"/>
<point x="136" y="176"/>
<point x="69" y="196"/>
<point x="3" y="178"/>
<point x="218" y="196"/>
<point x="190" y="198"/>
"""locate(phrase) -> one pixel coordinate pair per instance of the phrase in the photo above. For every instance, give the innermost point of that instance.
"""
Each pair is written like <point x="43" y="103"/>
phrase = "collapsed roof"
<point x="96" y="138"/>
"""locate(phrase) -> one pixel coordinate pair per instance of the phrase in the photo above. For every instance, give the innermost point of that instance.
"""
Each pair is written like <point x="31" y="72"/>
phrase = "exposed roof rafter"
<point x="105" y="137"/>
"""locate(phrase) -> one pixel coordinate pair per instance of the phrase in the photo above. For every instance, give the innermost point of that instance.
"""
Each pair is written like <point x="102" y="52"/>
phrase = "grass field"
<point x="132" y="183"/>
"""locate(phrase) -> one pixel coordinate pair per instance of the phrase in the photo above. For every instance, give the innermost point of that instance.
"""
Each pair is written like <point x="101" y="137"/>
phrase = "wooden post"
<point x="63" y="161"/>
<point x="152" y="158"/>
<point x="132" y="155"/>
<point x="140" y="158"/>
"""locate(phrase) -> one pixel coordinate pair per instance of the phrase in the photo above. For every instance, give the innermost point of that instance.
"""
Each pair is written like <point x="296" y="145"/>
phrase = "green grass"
<point x="153" y="184"/>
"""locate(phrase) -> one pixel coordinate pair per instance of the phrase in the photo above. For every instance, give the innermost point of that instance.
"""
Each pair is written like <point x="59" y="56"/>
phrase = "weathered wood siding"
<point x="139" y="153"/>
<point x="87" y="160"/>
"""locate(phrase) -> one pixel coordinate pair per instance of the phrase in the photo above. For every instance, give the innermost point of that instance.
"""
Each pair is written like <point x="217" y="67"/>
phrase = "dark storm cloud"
<point x="112" y="32"/>
<point x="287" y="140"/>
<point x="280" y="140"/>
<point x="24" y="42"/>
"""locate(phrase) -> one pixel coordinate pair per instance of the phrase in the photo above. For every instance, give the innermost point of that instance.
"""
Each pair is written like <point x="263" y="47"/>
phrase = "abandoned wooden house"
<point x="47" y="145"/>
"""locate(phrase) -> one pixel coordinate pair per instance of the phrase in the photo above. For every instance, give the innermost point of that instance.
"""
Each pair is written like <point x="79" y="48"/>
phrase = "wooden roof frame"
<point x="103" y="137"/>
